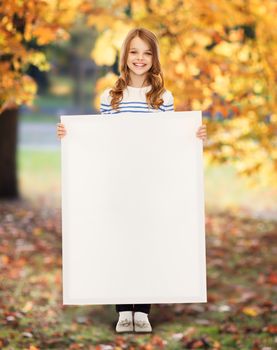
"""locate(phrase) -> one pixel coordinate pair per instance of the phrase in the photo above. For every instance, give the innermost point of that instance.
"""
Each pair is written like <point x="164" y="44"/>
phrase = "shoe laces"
<point x="125" y="322"/>
<point x="142" y="324"/>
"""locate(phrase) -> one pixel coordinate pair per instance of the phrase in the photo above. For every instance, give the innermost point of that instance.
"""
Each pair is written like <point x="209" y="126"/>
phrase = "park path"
<point x="40" y="135"/>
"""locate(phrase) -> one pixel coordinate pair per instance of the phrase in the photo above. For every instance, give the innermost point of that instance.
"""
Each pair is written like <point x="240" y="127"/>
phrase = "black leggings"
<point x="136" y="307"/>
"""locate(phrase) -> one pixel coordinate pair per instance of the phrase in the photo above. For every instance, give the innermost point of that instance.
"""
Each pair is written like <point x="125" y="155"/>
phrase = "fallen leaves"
<point x="252" y="310"/>
<point x="241" y="282"/>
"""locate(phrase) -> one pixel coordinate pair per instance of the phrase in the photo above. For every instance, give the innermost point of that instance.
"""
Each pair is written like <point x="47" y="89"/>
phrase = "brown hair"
<point x="154" y="75"/>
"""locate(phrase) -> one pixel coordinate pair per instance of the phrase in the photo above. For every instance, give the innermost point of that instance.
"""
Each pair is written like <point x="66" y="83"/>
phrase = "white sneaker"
<point x="125" y="322"/>
<point x="141" y="322"/>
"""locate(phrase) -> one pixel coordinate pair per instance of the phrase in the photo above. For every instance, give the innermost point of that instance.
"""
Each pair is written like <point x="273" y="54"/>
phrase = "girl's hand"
<point x="202" y="132"/>
<point x="61" y="132"/>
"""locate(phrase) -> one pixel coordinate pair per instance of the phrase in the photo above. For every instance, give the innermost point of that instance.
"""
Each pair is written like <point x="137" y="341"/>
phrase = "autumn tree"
<point x="23" y="23"/>
<point x="218" y="56"/>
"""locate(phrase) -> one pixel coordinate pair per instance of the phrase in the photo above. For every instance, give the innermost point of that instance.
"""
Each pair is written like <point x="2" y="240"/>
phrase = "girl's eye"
<point x="148" y="53"/>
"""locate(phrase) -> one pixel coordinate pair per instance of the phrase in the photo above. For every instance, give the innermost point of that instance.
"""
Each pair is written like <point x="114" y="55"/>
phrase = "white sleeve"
<point x="105" y="106"/>
<point x="168" y="101"/>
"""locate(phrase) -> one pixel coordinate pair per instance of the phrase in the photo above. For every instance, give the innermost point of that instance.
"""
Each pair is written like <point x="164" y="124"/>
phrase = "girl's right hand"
<point x="61" y="132"/>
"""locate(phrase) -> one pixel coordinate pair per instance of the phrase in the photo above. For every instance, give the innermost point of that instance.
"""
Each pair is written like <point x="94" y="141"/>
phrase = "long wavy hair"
<point x="154" y="75"/>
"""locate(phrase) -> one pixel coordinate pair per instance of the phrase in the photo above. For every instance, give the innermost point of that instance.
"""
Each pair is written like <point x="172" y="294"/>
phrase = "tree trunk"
<point x="8" y="143"/>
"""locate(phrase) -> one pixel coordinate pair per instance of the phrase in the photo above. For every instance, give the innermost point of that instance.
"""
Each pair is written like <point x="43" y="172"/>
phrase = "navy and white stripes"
<point x="141" y="107"/>
<point x="135" y="102"/>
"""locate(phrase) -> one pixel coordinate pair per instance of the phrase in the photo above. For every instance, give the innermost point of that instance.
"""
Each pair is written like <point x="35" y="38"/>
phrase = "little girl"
<point x="140" y="88"/>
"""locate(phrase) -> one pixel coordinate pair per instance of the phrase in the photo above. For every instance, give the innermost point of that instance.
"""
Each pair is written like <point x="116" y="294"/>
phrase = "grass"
<point x="39" y="118"/>
<point x="39" y="173"/>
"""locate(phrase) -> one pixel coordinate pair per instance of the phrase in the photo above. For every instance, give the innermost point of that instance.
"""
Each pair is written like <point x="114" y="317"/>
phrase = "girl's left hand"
<point x="202" y="132"/>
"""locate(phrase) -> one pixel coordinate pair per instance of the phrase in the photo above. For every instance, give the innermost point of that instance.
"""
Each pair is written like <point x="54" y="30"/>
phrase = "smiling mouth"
<point x="139" y="65"/>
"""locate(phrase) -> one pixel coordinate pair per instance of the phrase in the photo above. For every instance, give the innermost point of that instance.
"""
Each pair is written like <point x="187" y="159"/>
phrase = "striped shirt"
<point x="134" y="100"/>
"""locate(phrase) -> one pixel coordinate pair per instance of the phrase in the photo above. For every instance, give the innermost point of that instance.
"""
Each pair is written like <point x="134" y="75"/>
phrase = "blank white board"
<point x="133" y="221"/>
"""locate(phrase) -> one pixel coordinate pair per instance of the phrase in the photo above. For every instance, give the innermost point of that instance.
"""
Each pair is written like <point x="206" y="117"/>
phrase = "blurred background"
<point x="218" y="56"/>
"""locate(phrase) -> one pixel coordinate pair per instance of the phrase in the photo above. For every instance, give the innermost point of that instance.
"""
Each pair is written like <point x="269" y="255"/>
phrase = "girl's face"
<point x="139" y="58"/>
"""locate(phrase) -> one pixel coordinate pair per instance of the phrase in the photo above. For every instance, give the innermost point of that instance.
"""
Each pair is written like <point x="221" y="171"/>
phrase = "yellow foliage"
<point x="104" y="52"/>
<point x="26" y="20"/>
<point x="109" y="43"/>
<point x="221" y="84"/>
<point x="250" y="311"/>
<point x="37" y="59"/>
<point x="244" y="54"/>
<point x="176" y="53"/>
<point x="217" y="55"/>
<point x="226" y="49"/>
<point x="180" y="68"/>
<point x="44" y="34"/>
